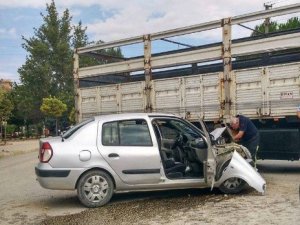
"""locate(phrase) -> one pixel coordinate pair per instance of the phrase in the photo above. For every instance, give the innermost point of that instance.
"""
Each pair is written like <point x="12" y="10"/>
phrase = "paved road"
<point x="23" y="201"/>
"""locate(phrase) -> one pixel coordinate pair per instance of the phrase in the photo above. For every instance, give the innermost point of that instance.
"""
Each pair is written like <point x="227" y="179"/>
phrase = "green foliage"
<point x="48" y="70"/>
<point x="48" y="67"/>
<point x="53" y="107"/>
<point x="274" y="26"/>
<point x="101" y="57"/>
<point x="72" y="118"/>
<point x="292" y="23"/>
<point x="27" y="107"/>
<point x="6" y="106"/>
<point x="11" y="128"/>
<point x="79" y="38"/>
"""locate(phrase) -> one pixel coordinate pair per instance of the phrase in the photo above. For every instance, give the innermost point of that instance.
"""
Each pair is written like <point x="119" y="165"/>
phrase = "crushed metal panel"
<point x="284" y="89"/>
<point x="240" y="168"/>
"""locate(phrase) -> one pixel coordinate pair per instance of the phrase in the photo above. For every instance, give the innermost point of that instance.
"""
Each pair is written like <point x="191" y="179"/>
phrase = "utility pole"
<point x="267" y="20"/>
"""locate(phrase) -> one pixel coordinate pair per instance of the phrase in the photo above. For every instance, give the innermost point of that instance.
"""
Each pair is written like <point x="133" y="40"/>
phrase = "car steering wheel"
<point x="180" y="140"/>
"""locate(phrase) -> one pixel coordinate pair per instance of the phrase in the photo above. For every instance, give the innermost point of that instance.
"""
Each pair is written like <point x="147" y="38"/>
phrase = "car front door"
<point x="195" y="144"/>
<point x="131" y="150"/>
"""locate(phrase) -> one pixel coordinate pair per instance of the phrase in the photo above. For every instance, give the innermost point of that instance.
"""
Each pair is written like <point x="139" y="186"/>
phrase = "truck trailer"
<point x="258" y="77"/>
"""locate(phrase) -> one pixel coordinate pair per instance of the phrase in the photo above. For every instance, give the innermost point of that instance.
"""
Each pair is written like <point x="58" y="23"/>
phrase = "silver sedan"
<point x="141" y="152"/>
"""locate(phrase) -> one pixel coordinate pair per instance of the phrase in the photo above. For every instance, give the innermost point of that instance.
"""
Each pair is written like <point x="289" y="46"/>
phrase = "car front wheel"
<point x="95" y="188"/>
<point x="232" y="185"/>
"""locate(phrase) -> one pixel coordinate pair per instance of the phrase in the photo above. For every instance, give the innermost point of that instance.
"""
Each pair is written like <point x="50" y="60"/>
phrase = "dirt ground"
<point x="23" y="201"/>
<point x="280" y="205"/>
<point x="18" y="147"/>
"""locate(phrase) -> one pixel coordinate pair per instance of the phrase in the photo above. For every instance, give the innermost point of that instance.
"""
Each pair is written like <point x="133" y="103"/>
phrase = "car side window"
<point x="167" y="132"/>
<point x="110" y="134"/>
<point x="126" y="133"/>
<point x="170" y="128"/>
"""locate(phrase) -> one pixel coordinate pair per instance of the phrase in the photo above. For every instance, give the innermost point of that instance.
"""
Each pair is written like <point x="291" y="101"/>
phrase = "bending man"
<point x="247" y="134"/>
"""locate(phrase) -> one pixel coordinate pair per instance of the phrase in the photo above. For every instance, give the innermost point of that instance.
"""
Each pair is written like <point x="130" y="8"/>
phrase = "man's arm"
<point x="239" y="135"/>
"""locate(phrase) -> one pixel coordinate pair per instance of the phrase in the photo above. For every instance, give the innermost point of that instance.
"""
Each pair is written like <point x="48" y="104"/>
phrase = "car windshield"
<point x="71" y="131"/>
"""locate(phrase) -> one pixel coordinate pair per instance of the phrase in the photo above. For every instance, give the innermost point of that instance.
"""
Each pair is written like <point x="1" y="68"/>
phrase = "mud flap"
<point x="240" y="168"/>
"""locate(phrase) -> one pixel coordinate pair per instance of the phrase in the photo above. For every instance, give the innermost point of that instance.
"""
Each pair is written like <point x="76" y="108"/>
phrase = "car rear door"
<point x="131" y="149"/>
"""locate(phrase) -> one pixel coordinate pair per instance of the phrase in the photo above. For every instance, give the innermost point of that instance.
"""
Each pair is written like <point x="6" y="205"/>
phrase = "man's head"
<point x="235" y="123"/>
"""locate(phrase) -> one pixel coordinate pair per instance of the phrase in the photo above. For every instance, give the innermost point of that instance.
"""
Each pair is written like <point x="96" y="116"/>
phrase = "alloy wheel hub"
<point x="96" y="188"/>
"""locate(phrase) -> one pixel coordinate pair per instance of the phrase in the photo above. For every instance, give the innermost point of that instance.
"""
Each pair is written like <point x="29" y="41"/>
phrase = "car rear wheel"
<point x="95" y="188"/>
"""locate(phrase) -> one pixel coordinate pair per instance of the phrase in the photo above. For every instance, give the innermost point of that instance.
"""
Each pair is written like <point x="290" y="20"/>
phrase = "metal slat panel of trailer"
<point x="88" y="102"/>
<point x="249" y="97"/>
<point x="193" y="92"/>
<point x="108" y="99"/>
<point x="284" y="89"/>
<point x="167" y="95"/>
<point x="211" y="93"/>
<point x="132" y="97"/>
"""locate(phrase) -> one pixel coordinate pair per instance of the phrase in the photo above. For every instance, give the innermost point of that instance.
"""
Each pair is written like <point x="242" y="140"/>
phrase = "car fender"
<point x="240" y="168"/>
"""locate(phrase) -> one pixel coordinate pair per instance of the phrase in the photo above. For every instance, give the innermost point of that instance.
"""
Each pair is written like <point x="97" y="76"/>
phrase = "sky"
<point x="109" y="20"/>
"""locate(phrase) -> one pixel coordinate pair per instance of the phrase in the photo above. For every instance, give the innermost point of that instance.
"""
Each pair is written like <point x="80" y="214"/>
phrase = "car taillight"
<point x="45" y="152"/>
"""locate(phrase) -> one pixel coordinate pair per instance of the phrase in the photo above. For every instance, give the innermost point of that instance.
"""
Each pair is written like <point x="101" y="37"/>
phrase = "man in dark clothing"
<point x="247" y="134"/>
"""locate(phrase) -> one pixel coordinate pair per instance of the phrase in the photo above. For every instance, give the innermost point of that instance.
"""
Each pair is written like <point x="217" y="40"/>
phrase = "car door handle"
<point x="113" y="155"/>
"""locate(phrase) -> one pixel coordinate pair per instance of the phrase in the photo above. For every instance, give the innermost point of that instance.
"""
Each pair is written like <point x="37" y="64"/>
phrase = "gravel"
<point x="280" y="205"/>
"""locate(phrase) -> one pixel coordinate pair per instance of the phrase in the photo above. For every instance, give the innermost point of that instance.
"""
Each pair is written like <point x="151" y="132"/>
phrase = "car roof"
<point x="123" y="116"/>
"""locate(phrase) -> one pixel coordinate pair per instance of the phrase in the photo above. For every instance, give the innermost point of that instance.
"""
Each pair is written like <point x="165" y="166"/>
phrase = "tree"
<point x="274" y="26"/>
<point x="79" y="38"/>
<point x="48" y="67"/>
<point x="53" y="107"/>
<point x="6" y="108"/>
<point x="71" y="117"/>
<point x="48" y="70"/>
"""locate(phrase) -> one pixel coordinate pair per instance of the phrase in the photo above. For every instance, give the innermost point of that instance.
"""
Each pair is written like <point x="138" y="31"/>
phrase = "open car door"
<point x="210" y="166"/>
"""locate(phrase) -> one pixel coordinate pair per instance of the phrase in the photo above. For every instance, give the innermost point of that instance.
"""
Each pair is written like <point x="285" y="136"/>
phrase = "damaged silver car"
<point x="141" y="152"/>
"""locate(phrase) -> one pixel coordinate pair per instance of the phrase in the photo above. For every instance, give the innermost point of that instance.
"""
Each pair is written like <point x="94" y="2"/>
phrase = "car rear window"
<point x="73" y="130"/>
<point x="126" y="133"/>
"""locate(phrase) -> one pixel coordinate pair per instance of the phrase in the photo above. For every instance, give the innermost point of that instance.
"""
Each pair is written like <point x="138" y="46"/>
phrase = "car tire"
<point x="232" y="185"/>
<point x="95" y="188"/>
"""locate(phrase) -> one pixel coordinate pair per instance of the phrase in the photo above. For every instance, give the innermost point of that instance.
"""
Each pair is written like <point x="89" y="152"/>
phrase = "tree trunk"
<point x="56" y="126"/>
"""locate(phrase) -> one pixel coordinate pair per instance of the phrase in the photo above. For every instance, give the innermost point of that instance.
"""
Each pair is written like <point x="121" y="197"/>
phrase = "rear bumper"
<point x="51" y="173"/>
<point x="57" y="179"/>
